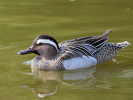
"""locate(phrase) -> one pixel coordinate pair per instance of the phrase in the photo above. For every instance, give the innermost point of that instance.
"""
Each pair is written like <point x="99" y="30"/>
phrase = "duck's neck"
<point x="48" y="52"/>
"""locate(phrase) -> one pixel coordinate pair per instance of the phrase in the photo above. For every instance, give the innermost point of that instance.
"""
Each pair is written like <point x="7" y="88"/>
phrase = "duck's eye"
<point x="40" y="43"/>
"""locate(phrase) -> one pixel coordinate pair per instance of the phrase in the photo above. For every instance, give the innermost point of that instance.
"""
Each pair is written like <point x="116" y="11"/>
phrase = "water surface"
<point x="21" y="21"/>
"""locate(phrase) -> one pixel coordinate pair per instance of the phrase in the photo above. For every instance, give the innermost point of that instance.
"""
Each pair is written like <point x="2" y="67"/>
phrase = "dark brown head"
<point x="43" y="45"/>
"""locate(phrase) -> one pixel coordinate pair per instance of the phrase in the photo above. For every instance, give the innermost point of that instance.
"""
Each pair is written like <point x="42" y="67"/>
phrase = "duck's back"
<point x="89" y="51"/>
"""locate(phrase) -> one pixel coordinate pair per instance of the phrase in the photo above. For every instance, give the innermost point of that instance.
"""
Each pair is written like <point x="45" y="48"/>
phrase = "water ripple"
<point x="6" y="47"/>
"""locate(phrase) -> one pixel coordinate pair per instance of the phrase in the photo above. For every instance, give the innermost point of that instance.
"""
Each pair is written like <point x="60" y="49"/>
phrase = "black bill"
<point x="26" y="51"/>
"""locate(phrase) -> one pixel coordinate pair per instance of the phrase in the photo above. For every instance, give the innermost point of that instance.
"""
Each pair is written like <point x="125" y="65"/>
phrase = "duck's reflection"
<point x="48" y="82"/>
<point x="47" y="88"/>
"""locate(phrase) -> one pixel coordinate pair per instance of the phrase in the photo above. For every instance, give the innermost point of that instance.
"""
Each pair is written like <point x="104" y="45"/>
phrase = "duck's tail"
<point x="123" y="44"/>
<point x="109" y="51"/>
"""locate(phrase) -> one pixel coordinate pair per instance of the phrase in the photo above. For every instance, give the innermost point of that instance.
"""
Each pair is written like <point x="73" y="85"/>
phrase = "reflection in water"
<point x="46" y="88"/>
<point x="128" y="73"/>
<point x="48" y="82"/>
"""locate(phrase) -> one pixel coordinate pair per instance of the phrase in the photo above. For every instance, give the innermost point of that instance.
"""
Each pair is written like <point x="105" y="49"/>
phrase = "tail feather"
<point x="123" y="44"/>
<point x="106" y="33"/>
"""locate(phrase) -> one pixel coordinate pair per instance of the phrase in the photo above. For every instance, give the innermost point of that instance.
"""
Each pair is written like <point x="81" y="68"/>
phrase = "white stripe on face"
<point x="43" y="41"/>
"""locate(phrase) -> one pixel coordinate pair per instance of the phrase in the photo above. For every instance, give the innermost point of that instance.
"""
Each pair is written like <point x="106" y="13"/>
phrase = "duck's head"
<point x="42" y="45"/>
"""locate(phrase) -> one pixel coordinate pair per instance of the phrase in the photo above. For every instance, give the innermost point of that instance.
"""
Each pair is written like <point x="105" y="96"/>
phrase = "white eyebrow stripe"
<point x="48" y="42"/>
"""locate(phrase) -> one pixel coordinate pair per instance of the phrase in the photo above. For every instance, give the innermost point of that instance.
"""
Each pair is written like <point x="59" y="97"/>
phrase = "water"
<point x="21" y="21"/>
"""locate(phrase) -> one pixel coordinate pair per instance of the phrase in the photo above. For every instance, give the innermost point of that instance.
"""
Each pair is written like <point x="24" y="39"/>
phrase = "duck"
<point x="72" y="54"/>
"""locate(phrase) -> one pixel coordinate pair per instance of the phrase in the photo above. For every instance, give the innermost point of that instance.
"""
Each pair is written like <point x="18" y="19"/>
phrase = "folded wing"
<point x="85" y="46"/>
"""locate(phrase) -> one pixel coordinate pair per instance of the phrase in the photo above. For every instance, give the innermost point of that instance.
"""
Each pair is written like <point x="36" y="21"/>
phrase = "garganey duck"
<point x="72" y="54"/>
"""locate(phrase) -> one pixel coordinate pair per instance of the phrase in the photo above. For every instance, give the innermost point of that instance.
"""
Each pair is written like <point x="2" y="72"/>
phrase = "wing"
<point x="85" y="46"/>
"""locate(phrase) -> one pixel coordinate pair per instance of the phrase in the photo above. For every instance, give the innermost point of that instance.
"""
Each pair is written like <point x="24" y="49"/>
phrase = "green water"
<point x="22" y="20"/>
